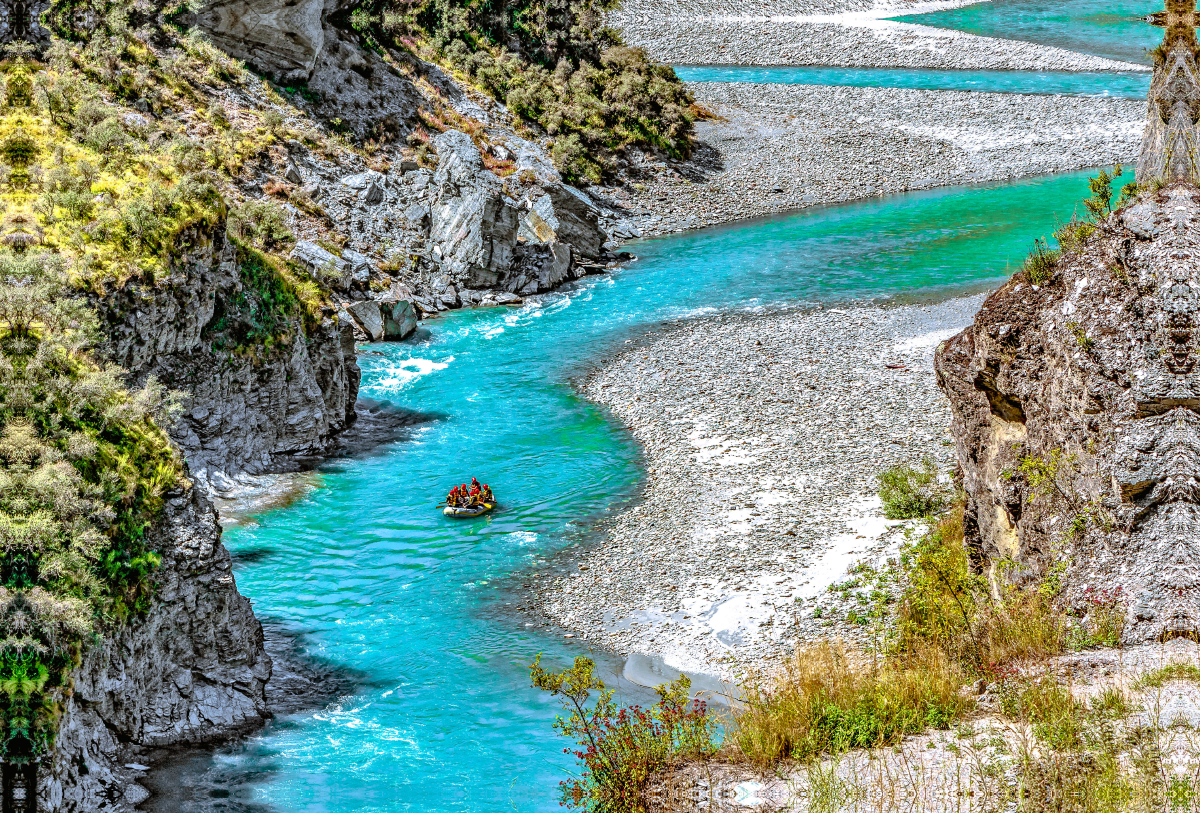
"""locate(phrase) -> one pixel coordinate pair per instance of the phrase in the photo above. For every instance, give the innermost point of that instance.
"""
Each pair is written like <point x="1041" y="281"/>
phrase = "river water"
<point x="414" y="618"/>
<point x="1110" y="28"/>
<point x="1118" y="84"/>
<point x="419" y="610"/>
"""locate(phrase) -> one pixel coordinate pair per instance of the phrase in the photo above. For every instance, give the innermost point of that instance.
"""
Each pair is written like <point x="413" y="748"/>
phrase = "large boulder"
<point x="399" y="312"/>
<point x="282" y="39"/>
<point x="563" y="213"/>
<point x="369" y="316"/>
<point x="322" y="265"/>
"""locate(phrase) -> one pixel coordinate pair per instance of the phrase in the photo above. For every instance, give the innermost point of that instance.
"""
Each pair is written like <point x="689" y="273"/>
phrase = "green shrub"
<point x="1155" y="678"/>
<point x="554" y="64"/>
<point x="84" y="464"/>
<point x="19" y="149"/>
<point x="621" y="748"/>
<point x="260" y="222"/>
<point x="1041" y="263"/>
<point x="910" y="492"/>
<point x="825" y="702"/>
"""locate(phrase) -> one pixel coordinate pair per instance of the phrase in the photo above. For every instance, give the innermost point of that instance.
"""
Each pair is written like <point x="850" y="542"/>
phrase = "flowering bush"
<point x="620" y="748"/>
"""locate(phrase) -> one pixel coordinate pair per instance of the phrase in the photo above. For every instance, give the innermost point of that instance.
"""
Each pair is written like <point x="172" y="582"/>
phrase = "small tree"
<point x="621" y="748"/>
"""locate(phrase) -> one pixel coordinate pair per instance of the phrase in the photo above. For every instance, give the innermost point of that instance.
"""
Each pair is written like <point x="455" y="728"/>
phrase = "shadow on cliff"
<point x="223" y="779"/>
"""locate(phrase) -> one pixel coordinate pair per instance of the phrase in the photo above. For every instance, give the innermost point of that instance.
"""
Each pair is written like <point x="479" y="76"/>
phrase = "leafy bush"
<point x="621" y="748"/>
<point x="261" y="223"/>
<point x="84" y="465"/>
<point x="945" y="603"/>
<point x="910" y="492"/>
<point x="553" y="63"/>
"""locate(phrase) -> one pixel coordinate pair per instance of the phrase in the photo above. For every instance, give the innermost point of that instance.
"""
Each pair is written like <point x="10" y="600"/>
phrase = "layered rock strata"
<point x="1169" y="142"/>
<point x="1075" y="414"/>
<point x="192" y="670"/>
<point x="1076" y="392"/>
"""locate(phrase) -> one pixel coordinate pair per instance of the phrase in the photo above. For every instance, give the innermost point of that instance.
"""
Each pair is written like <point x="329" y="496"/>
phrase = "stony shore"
<point x="828" y="32"/>
<point x="776" y="148"/>
<point x="762" y="435"/>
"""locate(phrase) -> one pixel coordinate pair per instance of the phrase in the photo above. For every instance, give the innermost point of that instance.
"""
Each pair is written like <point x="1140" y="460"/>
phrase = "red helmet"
<point x="485" y="485"/>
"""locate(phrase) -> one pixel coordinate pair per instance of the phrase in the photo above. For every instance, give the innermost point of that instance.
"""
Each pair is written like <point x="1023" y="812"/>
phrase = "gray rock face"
<point x="245" y="412"/>
<point x="1075" y="412"/>
<point x="323" y="265"/>
<point x="400" y="319"/>
<point x="484" y="241"/>
<point x="283" y="39"/>
<point x="193" y="670"/>
<point x="569" y="216"/>
<point x="1168" y="144"/>
<point x="473" y="226"/>
<point x="369" y="318"/>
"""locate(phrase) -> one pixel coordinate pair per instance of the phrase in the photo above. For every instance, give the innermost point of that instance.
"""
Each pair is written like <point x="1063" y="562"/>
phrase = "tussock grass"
<point x="828" y="701"/>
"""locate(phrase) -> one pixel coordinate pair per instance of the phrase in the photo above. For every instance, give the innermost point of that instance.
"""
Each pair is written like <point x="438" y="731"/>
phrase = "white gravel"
<point x="762" y="435"/>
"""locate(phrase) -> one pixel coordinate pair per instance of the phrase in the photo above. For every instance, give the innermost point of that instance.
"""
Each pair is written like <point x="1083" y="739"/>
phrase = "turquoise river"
<point x="438" y="714"/>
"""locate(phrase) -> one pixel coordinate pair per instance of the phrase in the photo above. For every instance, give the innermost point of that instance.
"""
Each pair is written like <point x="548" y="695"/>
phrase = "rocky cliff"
<point x="1076" y="392"/>
<point x="191" y="670"/>
<point x="246" y="410"/>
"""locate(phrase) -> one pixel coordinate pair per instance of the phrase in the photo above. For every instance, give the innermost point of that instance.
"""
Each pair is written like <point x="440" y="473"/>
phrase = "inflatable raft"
<point x="469" y="510"/>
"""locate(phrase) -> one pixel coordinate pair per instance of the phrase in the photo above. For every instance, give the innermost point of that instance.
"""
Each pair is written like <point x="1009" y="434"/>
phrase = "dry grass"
<point x="829" y="701"/>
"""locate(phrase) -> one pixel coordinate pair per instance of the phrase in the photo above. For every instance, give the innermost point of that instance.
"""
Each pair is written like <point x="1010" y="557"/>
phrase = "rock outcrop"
<point x="1169" y="141"/>
<point x="483" y="239"/>
<point x="192" y="670"/>
<point x="247" y="411"/>
<point x="1075" y="412"/>
<point x="1076" y="393"/>
<point x="282" y="39"/>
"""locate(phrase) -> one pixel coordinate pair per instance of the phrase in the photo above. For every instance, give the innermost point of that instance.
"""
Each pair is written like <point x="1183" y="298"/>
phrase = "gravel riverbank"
<point x="781" y="147"/>
<point x="762" y="435"/>
<point x="828" y="32"/>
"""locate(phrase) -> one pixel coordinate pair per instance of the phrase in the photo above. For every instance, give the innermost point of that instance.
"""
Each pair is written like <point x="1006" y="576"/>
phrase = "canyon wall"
<point x="1076" y="392"/>
<point x="191" y="670"/>
<point x="247" y="410"/>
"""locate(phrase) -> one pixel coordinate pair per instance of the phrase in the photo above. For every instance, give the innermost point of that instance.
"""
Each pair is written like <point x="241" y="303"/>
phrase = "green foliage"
<point x="261" y="223"/>
<point x="1041" y="263"/>
<point x="911" y="492"/>
<point x="83" y="470"/>
<point x="1156" y="678"/>
<point x="554" y="64"/>
<point x="1071" y="236"/>
<point x="544" y="32"/>
<point x="1081" y="337"/>
<point x="1043" y="473"/>
<point x="1099" y="203"/>
<point x="826" y="703"/>
<point x="263" y="313"/>
<point x="620" y="748"/>
<point x="19" y="149"/>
